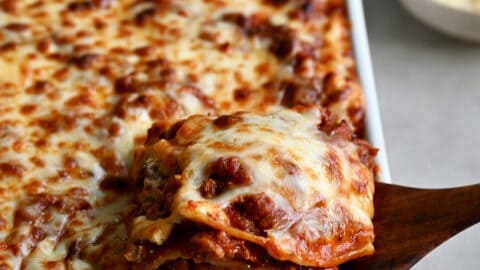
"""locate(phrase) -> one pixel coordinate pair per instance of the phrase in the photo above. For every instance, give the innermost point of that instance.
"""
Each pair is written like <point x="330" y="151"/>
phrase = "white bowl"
<point x="457" y="22"/>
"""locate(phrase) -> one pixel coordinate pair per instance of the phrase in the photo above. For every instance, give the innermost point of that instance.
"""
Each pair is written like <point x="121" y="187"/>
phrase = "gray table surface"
<point x="429" y="93"/>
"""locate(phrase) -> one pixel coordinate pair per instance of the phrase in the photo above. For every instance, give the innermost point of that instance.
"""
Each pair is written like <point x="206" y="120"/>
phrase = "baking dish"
<point x="83" y="63"/>
<point x="365" y="72"/>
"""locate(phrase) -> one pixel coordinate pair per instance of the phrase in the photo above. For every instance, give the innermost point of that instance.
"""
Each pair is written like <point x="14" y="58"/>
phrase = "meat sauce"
<point x="209" y="249"/>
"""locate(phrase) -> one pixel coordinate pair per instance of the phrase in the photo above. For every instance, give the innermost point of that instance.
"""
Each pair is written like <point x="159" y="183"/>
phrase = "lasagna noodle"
<point x="82" y="80"/>
<point x="296" y="186"/>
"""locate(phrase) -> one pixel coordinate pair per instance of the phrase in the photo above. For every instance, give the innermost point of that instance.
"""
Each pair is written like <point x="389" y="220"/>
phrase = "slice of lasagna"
<point x="281" y="191"/>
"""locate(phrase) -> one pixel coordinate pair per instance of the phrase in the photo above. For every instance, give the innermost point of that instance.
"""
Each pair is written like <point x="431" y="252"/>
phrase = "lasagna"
<point x="81" y="82"/>
<point x="283" y="190"/>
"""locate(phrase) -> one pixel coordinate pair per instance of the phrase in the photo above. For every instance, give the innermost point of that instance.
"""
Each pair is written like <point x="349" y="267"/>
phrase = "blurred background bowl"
<point x="458" y="22"/>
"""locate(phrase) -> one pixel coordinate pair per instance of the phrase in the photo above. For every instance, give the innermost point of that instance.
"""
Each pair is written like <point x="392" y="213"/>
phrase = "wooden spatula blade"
<point x="410" y="222"/>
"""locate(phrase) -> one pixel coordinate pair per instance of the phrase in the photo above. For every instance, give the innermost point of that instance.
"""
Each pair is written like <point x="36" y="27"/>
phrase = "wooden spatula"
<point x="410" y="222"/>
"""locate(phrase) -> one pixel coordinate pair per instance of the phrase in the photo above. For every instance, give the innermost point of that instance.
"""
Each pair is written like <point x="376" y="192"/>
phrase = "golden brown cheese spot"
<point x="77" y="192"/>
<point x="10" y="6"/>
<point x="287" y="165"/>
<point x="12" y="168"/>
<point x="226" y="121"/>
<point x="56" y="122"/>
<point x="282" y="38"/>
<point x="88" y="5"/>
<point x="189" y="131"/>
<point x="263" y="68"/>
<point x="80" y="6"/>
<point x="8" y="46"/>
<point x="223" y="174"/>
<point x="223" y="47"/>
<point x="207" y="36"/>
<point x="61" y="74"/>
<point x="42" y="143"/>
<point x="142" y="101"/>
<point x="44" y="45"/>
<point x="3" y="223"/>
<point x="84" y="99"/>
<point x="333" y="167"/>
<point x="162" y="130"/>
<point x="28" y="108"/>
<point x="73" y="169"/>
<point x="17" y="27"/>
<point x="18" y="146"/>
<point x="85" y="61"/>
<point x="227" y="146"/>
<point x="114" y="130"/>
<point x="124" y="85"/>
<point x="144" y="51"/>
<point x="290" y="167"/>
<point x="143" y="16"/>
<point x="40" y="87"/>
<point x="158" y="108"/>
<point x="242" y="94"/>
<point x="109" y="161"/>
<point x="54" y="265"/>
<point x="37" y="161"/>
<point x="38" y="208"/>
<point x="206" y="100"/>
<point x="276" y="2"/>
<point x="166" y="110"/>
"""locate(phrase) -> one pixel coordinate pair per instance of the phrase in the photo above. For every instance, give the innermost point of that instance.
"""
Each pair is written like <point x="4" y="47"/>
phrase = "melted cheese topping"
<point x="314" y="194"/>
<point x="81" y="81"/>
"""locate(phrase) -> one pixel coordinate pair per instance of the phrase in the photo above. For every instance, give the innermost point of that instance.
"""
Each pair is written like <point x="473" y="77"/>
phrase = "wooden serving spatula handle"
<point x="410" y="222"/>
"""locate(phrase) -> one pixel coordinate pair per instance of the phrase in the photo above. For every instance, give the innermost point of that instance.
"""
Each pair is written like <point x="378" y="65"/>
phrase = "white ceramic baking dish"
<point x="365" y="72"/>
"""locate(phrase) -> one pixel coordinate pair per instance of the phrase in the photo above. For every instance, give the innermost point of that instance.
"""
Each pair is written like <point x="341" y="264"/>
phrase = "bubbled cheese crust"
<point x="82" y="80"/>
<point x="313" y="191"/>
